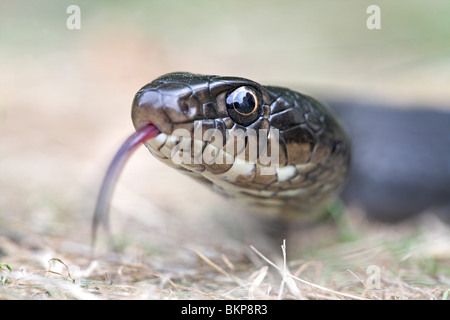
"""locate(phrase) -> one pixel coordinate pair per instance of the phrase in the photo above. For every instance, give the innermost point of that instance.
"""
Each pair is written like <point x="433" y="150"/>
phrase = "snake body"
<point x="312" y="145"/>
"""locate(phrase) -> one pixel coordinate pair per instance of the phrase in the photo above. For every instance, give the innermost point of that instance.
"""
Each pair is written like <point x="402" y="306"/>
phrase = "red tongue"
<point x="116" y="166"/>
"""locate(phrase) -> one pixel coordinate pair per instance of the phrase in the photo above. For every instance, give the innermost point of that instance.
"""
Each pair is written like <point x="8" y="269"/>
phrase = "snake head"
<point x="279" y="152"/>
<point x="308" y="148"/>
<point x="181" y="98"/>
<point x="193" y="104"/>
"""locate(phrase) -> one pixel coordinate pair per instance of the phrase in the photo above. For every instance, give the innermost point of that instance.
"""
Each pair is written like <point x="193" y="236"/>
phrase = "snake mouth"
<point x="143" y="134"/>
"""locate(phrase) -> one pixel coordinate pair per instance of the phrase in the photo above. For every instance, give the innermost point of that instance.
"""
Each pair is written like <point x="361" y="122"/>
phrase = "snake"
<point x="206" y="113"/>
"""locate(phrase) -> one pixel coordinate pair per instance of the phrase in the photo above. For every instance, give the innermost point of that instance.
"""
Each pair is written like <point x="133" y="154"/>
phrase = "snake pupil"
<point x="242" y="101"/>
<point x="242" y="104"/>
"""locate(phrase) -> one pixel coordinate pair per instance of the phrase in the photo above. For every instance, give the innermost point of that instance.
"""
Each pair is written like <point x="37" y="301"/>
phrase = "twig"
<point x="304" y="281"/>
<point x="216" y="267"/>
<point x="67" y="269"/>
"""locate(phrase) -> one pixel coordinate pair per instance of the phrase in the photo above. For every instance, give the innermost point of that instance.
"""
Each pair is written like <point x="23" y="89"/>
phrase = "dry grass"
<point x="412" y="261"/>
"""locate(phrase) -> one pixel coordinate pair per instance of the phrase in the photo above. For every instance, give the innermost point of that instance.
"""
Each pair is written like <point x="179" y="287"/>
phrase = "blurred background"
<point x="65" y="97"/>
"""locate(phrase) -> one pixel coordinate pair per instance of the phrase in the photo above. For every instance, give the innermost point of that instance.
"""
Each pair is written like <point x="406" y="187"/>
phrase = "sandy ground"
<point x="65" y="98"/>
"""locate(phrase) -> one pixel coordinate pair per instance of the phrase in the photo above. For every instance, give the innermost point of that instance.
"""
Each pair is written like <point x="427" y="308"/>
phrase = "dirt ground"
<point x="65" y="98"/>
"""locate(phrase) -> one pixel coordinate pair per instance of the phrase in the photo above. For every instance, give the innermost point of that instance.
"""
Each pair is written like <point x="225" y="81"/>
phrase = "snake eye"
<point x="243" y="105"/>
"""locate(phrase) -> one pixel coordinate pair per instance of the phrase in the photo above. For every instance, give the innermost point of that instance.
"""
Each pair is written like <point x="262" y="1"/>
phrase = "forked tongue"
<point x="114" y="170"/>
